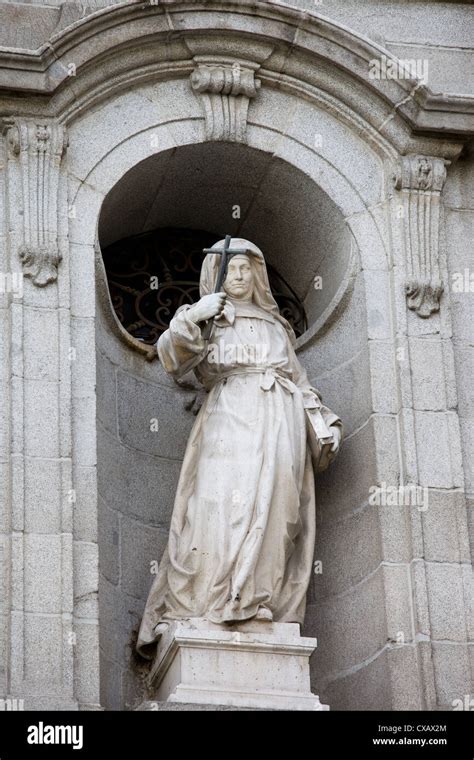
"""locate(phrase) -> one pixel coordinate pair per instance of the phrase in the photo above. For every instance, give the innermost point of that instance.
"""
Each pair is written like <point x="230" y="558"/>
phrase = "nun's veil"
<point x="262" y="295"/>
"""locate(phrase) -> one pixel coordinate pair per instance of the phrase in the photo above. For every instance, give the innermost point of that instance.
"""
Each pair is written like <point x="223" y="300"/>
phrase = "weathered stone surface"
<point x="109" y="541"/>
<point x="365" y="685"/>
<point x="405" y="677"/>
<point x="155" y="706"/>
<point x="364" y="632"/>
<point x="82" y="357"/>
<point x="41" y="344"/>
<point x="137" y="572"/>
<point x="152" y="425"/>
<point x="453" y="672"/>
<point x="86" y="581"/>
<point x="144" y="491"/>
<point x="106" y="393"/>
<point x="398" y="604"/>
<point x="333" y="491"/>
<point x="383" y="377"/>
<point x="110" y="683"/>
<point x="369" y="230"/>
<point x="340" y="343"/>
<point x="347" y="387"/>
<point x="439" y="450"/>
<point x="427" y="374"/>
<point x="43" y="574"/>
<point x="261" y="665"/>
<point x="465" y="373"/>
<point x="313" y="157"/>
<point x="120" y="616"/>
<point x="84" y="503"/>
<point x="347" y="548"/>
<point x="448" y="600"/>
<point x="43" y="496"/>
<point x="386" y="433"/>
<point x="445" y="527"/>
<point x="83" y="420"/>
<point x="42" y="416"/>
<point x="396" y="528"/>
<point x="377" y="287"/>
<point x="43" y="641"/>
<point x="86" y="652"/>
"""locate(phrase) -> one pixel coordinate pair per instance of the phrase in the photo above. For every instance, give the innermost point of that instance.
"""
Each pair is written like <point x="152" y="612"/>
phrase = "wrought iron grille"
<point x="152" y="274"/>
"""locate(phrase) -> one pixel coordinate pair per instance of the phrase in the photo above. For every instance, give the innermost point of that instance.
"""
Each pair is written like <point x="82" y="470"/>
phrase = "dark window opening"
<point x="152" y="274"/>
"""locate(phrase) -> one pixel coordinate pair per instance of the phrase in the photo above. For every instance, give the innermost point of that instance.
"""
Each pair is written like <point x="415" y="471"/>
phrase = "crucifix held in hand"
<point x="227" y="253"/>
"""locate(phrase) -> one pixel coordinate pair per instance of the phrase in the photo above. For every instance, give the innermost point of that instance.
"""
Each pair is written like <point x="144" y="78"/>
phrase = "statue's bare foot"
<point x="264" y="614"/>
<point x="161" y="628"/>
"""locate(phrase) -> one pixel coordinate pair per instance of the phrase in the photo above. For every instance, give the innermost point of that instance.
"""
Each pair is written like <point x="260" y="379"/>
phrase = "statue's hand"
<point x="207" y="307"/>
<point x="336" y="434"/>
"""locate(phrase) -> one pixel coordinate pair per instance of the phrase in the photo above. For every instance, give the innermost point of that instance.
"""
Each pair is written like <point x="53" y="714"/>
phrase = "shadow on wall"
<point x="303" y="235"/>
<point x="346" y="599"/>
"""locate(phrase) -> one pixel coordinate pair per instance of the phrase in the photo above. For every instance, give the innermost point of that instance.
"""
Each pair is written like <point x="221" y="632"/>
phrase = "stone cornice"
<point x="138" y="41"/>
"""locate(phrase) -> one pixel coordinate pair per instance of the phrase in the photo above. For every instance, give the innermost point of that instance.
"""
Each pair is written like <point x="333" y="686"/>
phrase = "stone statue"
<point x="242" y="533"/>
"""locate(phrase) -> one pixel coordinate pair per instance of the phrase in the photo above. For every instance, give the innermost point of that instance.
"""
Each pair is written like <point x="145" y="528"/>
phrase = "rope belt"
<point x="270" y="376"/>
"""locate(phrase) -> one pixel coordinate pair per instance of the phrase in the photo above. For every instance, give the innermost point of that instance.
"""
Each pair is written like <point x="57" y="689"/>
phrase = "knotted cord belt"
<point x="271" y="375"/>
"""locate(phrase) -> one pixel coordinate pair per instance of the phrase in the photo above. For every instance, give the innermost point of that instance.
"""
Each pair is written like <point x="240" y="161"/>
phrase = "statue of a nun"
<point x="242" y="533"/>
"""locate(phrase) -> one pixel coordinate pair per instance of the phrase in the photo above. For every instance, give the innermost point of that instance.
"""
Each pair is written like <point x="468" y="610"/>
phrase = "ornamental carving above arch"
<point x="230" y="55"/>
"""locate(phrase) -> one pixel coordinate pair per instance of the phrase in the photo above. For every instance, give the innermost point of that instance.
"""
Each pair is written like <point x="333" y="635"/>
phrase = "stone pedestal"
<point x="248" y="665"/>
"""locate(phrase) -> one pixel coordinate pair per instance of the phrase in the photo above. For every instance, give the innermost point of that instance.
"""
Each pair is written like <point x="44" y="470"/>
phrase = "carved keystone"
<point x="225" y="88"/>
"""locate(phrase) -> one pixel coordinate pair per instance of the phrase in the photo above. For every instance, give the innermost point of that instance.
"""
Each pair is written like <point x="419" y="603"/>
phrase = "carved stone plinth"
<point x="249" y="665"/>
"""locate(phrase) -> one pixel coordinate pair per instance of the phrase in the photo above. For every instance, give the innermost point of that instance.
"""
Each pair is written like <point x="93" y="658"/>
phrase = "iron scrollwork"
<point x="151" y="275"/>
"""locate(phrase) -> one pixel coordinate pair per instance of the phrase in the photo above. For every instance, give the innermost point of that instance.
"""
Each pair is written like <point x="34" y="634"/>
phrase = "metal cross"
<point x="227" y="253"/>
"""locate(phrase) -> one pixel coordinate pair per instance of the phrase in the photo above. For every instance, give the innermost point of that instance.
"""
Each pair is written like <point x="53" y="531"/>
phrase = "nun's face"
<point x="239" y="282"/>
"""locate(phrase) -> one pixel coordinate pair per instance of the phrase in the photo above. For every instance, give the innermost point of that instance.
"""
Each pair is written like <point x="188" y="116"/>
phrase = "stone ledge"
<point x="150" y="706"/>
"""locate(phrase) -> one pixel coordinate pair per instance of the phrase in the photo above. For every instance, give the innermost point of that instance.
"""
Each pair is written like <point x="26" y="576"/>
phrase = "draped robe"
<point x="243" y="526"/>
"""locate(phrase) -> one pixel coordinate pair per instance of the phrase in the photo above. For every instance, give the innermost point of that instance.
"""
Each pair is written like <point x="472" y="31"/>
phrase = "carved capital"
<point x="419" y="180"/>
<point x="226" y="88"/>
<point x="35" y="151"/>
<point x="420" y="173"/>
<point x="40" y="263"/>
<point x="424" y="296"/>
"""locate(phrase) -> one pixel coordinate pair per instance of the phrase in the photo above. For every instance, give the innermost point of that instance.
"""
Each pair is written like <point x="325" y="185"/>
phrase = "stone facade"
<point x="123" y="117"/>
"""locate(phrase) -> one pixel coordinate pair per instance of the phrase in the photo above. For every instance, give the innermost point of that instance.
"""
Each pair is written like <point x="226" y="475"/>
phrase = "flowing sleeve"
<point x="181" y="347"/>
<point x="319" y="418"/>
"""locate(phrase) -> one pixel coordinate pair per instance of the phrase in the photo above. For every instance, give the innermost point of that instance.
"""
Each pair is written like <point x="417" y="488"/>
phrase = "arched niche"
<point x="229" y="188"/>
<point x="318" y="110"/>
<point x="118" y="135"/>
<point x="303" y="233"/>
